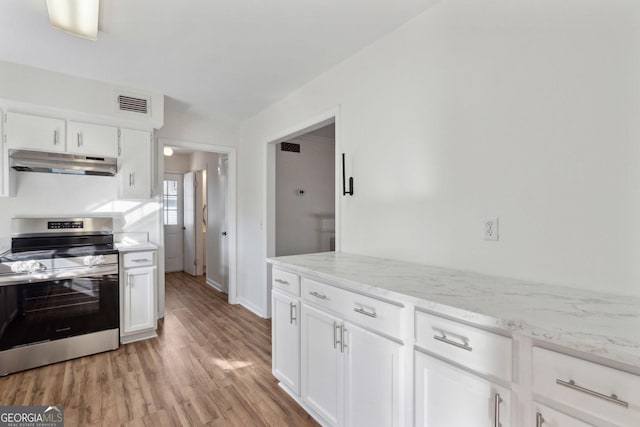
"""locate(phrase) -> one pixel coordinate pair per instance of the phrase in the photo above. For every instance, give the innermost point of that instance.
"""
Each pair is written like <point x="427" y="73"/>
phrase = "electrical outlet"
<point x="490" y="229"/>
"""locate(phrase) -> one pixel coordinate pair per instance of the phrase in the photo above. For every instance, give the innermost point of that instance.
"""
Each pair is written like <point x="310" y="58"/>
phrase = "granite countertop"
<point x="597" y="323"/>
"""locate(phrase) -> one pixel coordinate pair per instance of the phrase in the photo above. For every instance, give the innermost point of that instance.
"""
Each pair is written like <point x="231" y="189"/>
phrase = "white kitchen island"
<point x="469" y="349"/>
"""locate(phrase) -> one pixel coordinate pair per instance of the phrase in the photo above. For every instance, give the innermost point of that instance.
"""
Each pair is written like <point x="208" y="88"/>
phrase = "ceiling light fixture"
<point x="76" y="17"/>
<point x="168" y="151"/>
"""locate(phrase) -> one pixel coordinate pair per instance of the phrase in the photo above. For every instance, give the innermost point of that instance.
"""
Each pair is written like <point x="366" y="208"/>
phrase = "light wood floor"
<point x="210" y="365"/>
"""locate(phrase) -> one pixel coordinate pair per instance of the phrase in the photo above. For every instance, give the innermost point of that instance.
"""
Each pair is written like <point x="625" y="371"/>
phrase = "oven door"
<point x="55" y="309"/>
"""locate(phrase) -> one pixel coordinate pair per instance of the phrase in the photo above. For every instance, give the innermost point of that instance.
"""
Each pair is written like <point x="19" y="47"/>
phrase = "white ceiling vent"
<point x="133" y="104"/>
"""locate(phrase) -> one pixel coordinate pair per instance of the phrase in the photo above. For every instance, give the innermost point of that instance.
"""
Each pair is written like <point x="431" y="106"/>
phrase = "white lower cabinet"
<point x="372" y="379"/>
<point x="448" y="396"/>
<point x="548" y="417"/>
<point x="285" y="336"/>
<point x="363" y="360"/>
<point x="322" y="364"/>
<point x="590" y="389"/>
<point x="138" y="296"/>
<point x="350" y="376"/>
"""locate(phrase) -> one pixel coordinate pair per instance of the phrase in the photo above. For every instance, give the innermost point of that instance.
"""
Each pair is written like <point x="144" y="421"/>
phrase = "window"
<point x="170" y="202"/>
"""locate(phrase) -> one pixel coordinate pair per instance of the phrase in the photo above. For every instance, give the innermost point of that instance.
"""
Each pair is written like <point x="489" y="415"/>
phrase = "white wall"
<point x="94" y="99"/>
<point x="298" y="218"/>
<point x="526" y="110"/>
<point x="177" y="163"/>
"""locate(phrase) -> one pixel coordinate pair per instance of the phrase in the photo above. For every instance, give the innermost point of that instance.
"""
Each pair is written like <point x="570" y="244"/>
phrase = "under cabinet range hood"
<point x="37" y="161"/>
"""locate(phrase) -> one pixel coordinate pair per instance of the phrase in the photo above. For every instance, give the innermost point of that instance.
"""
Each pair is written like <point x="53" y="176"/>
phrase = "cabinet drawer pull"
<point x="140" y="260"/>
<point x="572" y="385"/>
<point x="292" y="317"/>
<point x="446" y="340"/>
<point x="497" y="400"/>
<point x="365" y="312"/>
<point x="284" y="282"/>
<point x="317" y="295"/>
<point x="539" y="419"/>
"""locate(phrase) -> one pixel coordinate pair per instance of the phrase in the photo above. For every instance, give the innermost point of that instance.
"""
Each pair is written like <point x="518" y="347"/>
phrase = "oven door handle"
<point x="25" y="278"/>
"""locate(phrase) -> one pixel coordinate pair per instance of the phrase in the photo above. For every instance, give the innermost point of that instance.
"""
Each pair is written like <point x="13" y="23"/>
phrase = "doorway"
<point x="305" y="193"/>
<point x="326" y="220"/>
<point x="199" y="213"/>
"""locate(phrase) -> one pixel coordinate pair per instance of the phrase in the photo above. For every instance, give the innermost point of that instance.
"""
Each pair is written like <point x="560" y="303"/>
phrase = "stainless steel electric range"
<point x="58" y="292"/>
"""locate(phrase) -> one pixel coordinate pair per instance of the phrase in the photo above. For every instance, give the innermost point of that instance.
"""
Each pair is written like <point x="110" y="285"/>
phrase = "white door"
<point x="189" y="223"/>
<point x="224" y="235"/>
<point x="199" y="224"/>
<point x="448" y="396"/>
<point x="372" y="372"/>
<point x="139" y="310"/>
<point x="217" y="246"/>
<point x="173" y="219"/>
<point x="321" y="364"/>
<point x="285" y="336"/>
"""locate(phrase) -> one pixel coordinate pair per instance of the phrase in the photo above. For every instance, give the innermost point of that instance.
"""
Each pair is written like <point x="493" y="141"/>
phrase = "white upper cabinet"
<point x="134" y="175"/>
<point x="92" y="140"/>
<point x="24" y="131"/>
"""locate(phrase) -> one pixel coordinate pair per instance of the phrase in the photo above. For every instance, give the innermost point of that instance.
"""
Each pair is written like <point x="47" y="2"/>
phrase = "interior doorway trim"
<point x="231" y="207"/>
<point x="269" y="192"/>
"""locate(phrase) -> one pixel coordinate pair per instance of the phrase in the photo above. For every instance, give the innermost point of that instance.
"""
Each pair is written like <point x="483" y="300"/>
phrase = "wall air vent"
<point x="290" y="146"/>
<point x="133" y="104"/>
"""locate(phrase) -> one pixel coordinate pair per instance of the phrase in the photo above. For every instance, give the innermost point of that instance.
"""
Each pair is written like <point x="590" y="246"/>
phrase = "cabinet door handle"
<point x="317" y="295"/>
<point x="55" y="137"/>
<point x="539" y="419"/>
<point x="497" y="400"/>
<point x="335" y="335"/>
<point x="284" y="282"/>
<point x="79" y="139"/>
<point x="365" y="312"/>
<point x="292" y="316"/>
<point x="342" y="344"/>
<point x="131" y="179"/>
<point x="128" y="280"/>
<point x="572" y="385"/>
<point x="443" y="338"/>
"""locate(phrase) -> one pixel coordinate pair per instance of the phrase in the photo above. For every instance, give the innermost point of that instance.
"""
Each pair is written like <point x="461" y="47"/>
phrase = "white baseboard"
<point x="215" y="285"/>
<point x="252" y="307"/>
